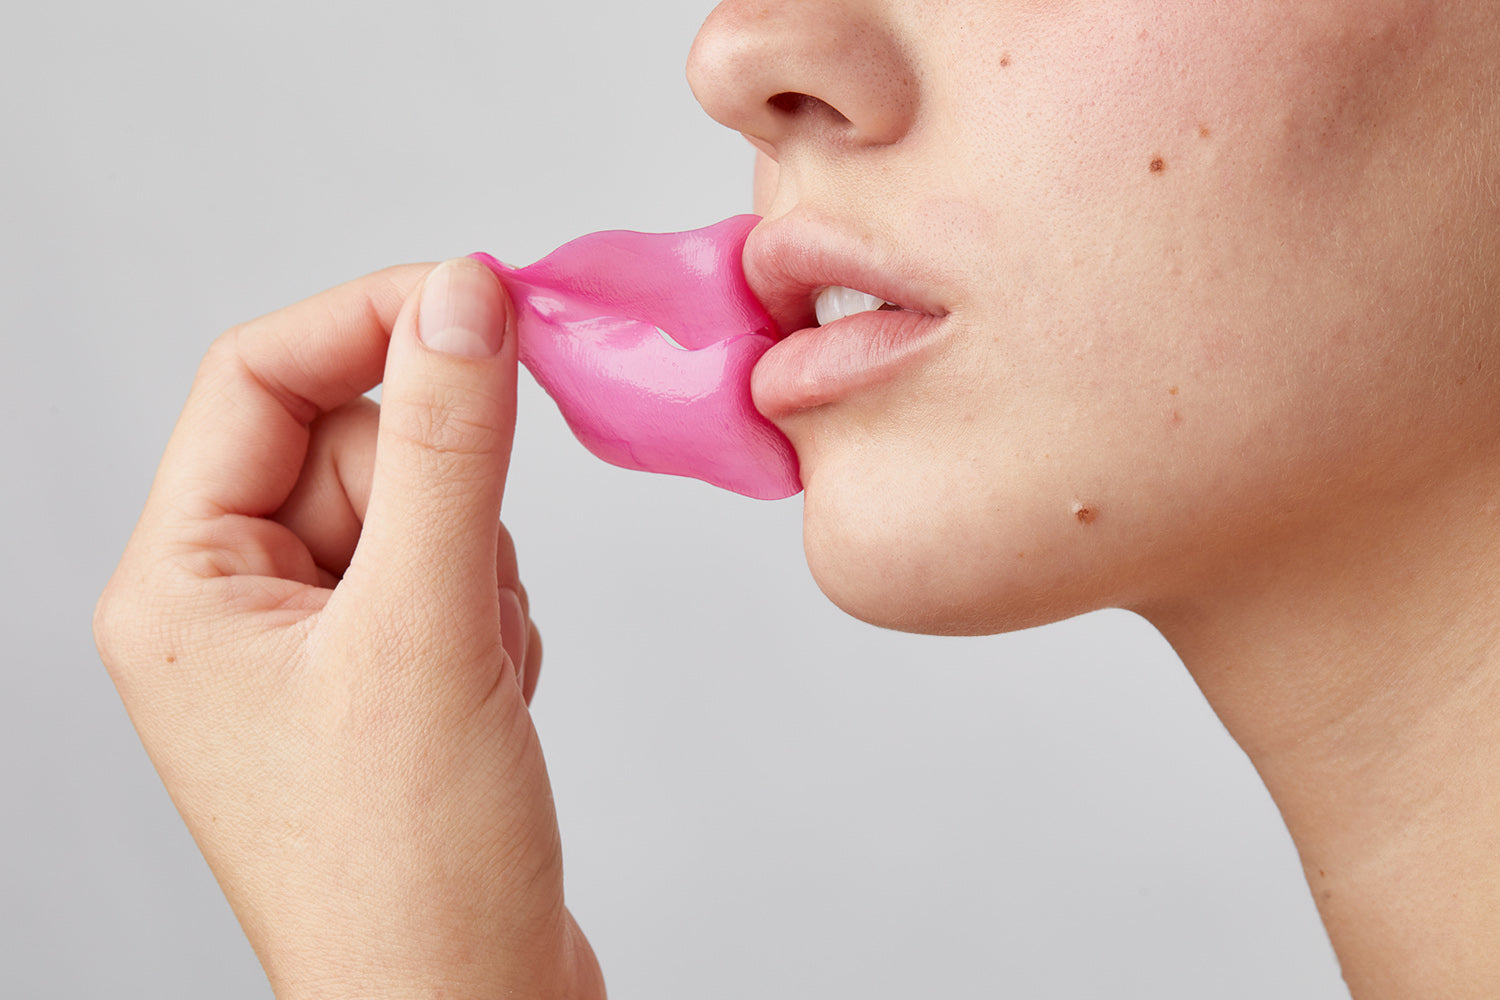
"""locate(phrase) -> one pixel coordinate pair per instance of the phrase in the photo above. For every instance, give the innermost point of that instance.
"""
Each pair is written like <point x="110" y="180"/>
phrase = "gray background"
<point x="759" y="797"/>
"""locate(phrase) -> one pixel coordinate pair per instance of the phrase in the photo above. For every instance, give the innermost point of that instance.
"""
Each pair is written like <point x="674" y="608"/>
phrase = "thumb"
<point x="447" y="419"/>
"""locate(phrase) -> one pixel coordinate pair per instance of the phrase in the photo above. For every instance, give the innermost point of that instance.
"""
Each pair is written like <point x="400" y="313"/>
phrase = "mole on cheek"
<point x="1085" y="513"/>
<point x="1158" y="164"/>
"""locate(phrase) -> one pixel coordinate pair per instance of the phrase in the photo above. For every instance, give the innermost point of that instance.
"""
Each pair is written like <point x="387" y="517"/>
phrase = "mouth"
<point x="851" y="314"/>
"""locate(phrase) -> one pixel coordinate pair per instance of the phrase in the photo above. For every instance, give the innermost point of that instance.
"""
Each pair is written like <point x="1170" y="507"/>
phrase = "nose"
<point x="784" y="71"/>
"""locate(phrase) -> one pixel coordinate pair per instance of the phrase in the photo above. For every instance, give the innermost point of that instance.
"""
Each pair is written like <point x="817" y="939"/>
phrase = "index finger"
<point x="239" y="445"/>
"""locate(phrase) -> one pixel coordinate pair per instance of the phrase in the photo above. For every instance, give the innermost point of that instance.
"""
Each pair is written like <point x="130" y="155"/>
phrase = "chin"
<point x="909" y="569"/>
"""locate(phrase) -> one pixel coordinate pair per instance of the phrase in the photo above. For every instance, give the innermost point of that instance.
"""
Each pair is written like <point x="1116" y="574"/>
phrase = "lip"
<point x="787" y="262"/>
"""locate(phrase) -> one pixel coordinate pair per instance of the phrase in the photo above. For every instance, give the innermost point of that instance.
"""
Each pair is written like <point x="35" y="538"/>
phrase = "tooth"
<point x="836" y="302"/>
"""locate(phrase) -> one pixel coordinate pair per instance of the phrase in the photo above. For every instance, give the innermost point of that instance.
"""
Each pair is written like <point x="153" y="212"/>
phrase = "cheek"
<point x="1198" y="193"/>
<point x="1168" y="212"/>
<point x="1093" y="101"/>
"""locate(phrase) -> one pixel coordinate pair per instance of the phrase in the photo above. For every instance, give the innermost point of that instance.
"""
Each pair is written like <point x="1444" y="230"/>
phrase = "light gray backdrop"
<point x="759" y="797"/>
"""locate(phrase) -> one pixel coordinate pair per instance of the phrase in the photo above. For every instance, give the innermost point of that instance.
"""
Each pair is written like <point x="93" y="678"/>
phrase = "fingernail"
<point x="513" y="629"/>
<point x="463" y="310"/>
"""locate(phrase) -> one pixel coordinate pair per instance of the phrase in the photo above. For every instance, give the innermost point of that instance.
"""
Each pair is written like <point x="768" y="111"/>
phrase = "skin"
<point x="1222" y="292"/>
<point x="320" y="634"/>
<point x="1221" y="283"/>
<point x="1288" y="232"/>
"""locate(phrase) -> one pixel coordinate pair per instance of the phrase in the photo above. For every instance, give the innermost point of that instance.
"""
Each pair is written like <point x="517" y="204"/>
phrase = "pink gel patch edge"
<point x="590" y="317"/>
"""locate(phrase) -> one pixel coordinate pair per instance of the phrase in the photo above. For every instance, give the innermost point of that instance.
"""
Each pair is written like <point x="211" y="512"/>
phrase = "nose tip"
<point x="784" y="70"/>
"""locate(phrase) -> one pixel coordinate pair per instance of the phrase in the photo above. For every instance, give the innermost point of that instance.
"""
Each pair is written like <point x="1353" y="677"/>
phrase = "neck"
<point x="1360" y="672"/>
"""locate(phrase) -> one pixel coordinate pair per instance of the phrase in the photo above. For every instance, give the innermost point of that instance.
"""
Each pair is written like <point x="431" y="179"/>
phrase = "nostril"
<point x="789" y="103"/>
<point x="782" y="71"/>
<point x="805" y="105"/>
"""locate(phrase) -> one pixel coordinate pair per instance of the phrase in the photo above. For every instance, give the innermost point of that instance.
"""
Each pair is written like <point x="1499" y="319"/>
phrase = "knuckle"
<point x="106" y="622"/>
<point x="218" y="368"/>
<point x="222" y="353"/>
<point x="442" y="431"/>
<point x="130" y="630"/>
<point x="123" y="621"/>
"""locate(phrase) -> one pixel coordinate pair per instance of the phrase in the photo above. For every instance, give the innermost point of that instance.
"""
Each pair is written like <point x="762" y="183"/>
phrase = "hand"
<point x="319" y="631"/>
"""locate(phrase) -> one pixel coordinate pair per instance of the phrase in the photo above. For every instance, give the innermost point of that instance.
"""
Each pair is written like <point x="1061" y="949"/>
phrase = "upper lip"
<point x="789" y="260"/>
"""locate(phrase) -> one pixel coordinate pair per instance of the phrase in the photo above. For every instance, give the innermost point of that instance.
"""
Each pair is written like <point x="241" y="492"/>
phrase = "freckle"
<point x="1322" y="873"/>
<point x="1085" y="514"/>
<point x="1172" y="391"/>
<point x="1158" y="164"/>
<point x="171" y="659"/>
<point x="1005" y="59"/>
<point x="1462" y="379"/>
<point x="1203" y="132"/>
<point x="1020" y="555"/>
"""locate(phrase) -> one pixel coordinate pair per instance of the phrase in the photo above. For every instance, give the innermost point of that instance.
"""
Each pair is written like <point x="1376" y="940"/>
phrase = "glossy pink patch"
<point x="592" y="315"/>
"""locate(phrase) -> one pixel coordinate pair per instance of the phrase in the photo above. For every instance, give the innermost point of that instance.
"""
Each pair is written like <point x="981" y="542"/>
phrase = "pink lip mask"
<point x="591" y="316"/>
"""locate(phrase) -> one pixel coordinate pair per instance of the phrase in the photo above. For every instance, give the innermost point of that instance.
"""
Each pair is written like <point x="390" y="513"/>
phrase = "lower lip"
<point x="823" y="364"/>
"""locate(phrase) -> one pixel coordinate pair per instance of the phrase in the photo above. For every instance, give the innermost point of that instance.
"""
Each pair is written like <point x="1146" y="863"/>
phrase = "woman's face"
<point x="1181" y="282"/>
